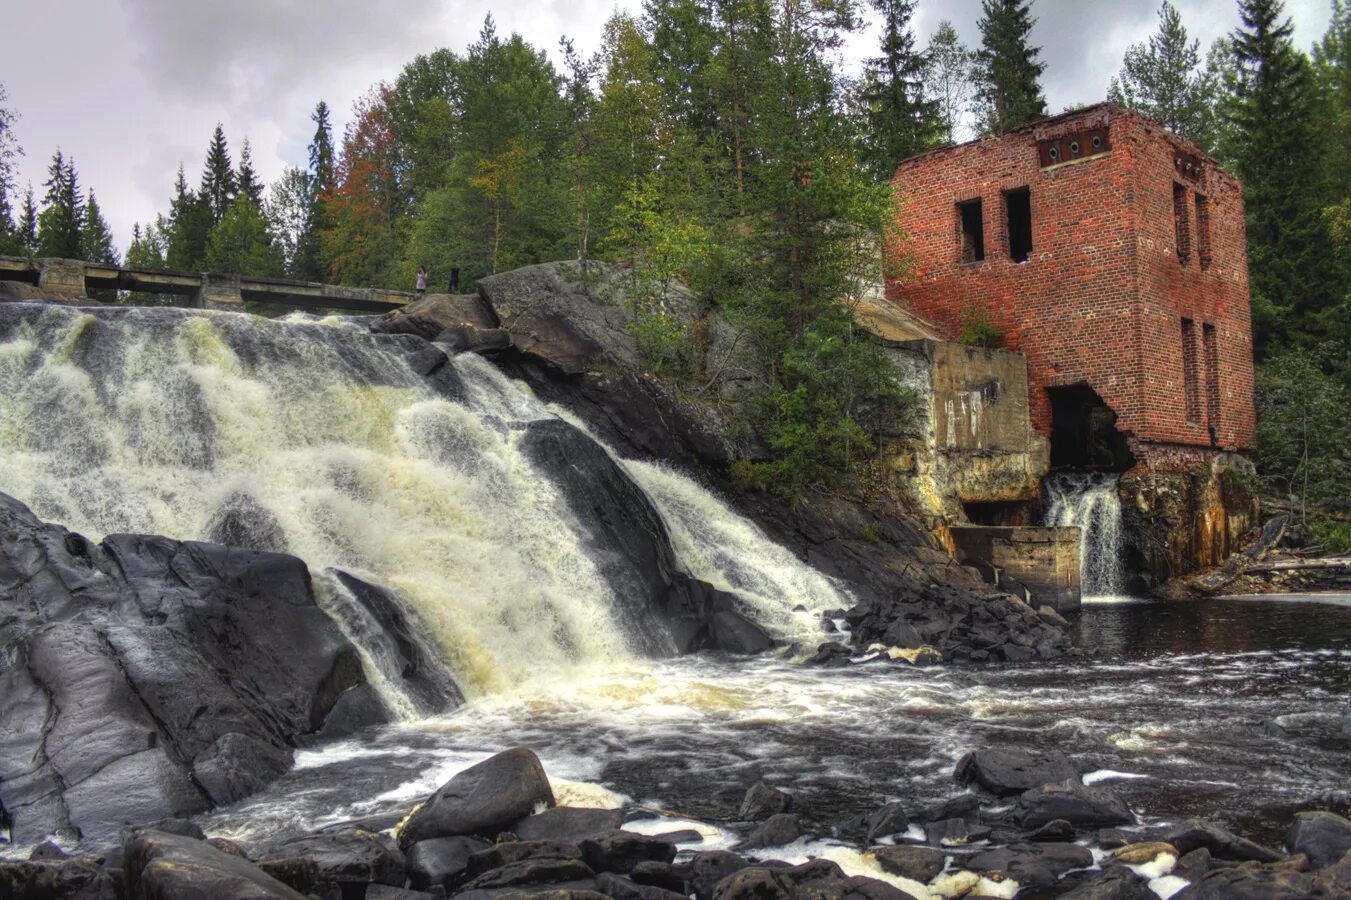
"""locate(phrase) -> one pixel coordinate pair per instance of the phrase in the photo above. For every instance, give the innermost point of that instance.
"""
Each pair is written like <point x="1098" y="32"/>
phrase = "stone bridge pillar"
<point x="64" y="277"/>
<point x="219" y="292"/>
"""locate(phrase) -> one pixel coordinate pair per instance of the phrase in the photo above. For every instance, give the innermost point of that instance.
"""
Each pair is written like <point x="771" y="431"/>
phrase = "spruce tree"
<point x="1160" y="79"/>
<point x="249" y="185"/>
<point x="1278" y="160"/>
<point x="189" y="226"/>
<point x="62" y="220"/>
<point x="9" y="150"/>
<point x="1008" y="74"/>
<point x="899" y="120"/>
<point x="308" y="261"/>
<point x="96" y="238"/>
<point x="947" y="77"/>
<point x="28" y="224"/>
<point x="219" y="184"/>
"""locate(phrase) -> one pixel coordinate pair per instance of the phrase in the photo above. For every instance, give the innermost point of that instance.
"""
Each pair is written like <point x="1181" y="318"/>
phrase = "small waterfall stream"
<point x="1089" y="501"/>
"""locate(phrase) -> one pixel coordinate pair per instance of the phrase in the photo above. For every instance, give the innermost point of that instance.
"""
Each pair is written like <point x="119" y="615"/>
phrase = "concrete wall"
<point x="1045" y="560"/>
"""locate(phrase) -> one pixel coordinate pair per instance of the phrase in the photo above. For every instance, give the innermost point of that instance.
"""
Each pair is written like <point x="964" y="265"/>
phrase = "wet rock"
<point x="389" y="892"/>
<point x="673" y="877"/>
<point x="531" y="871"/>
<point x="228" y="847"/>
<point x="431" y="315"/>
<point x="888" y="820"/>
<point x="683" y="836"/>
<point x="483" y="799"/>
<point x="441" y="861"/>
<point x="507" y="852"/>
<point x="707" y="869"/>
<point x="832" y="655"/>
<point x="954" y="832"/>
<point x="354" y="857"/>
<point x="920" y="864"/>
<point x="1143" y="853"/>
<point x="623" y="889"/>
<point x="755" y="883"/>
<point x="963" y="806"/>
<point x="1081" y="806"/>
<point x="1335" y="880"/>
<point x="776" y="831"/>
<point x="619" y="851"/>
<point x="1193" y="865"/>
<point x="1054" y="830"/>
<point x="48" y="851"/>
<point x="1251" y="881"/>
<point x="1115" y="883"/>
<point x="1049" y="615"/>
<point x="570" y="824"/>
<point x="763" y="801"/>
<point x="1033" y="865"/>
<point x="1112" y="838"/>
<point x="1005" y="772"/>
<point x="1222" y="843"/>
<point x="56" y="879"/>
<point x="1321" y="836"/>
<point x="171" y="866"/>
<point x="242" y="521"/>
<point x="103" y="638"/>
<point x="732" y="632"/>
<point x="581" y="889"/>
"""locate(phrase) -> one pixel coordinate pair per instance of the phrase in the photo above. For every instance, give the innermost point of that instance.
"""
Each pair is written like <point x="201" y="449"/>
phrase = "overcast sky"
<point x="131" y="88"/>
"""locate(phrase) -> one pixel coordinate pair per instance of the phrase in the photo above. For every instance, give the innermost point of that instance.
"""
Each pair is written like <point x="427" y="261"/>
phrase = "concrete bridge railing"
<point x="74" y="278"/>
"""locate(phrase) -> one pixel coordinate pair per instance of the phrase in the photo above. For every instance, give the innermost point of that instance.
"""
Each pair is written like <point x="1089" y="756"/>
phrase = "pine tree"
<point x="28" y="224"/>
<point x="219" y="184"/>
<point x="947" y="78"/>
<point x="1160" y="79"/>
<point x="62" y="219"/>
<point x="242" y="244"/>
<point x="1007" y="71"/>
<point x="1278" y="160"/>
<point x="189" y="227"/>
<point x="321" y="150"/>
<point x="900" y="121"/>
<point x="1332" y="68"/>
<point x="309" y="261"/>
<point x="9" y="150"/>
<point x="96" y="238"/>
<point x="247" y="179"/>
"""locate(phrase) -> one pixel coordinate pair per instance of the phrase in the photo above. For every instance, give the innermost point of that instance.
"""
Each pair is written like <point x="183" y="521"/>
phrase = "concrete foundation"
<point x="1045" y="561"/>
<point x="220" y="291"/>
<point x="61" y="277"/>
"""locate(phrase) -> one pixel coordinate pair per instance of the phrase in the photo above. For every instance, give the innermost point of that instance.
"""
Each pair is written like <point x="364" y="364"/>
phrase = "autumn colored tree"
<point x="367" y="210"/>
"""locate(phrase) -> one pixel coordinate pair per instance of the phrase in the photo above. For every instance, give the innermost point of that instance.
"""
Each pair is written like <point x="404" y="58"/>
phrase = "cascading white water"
<point x="1089" y="501"/>
<point x="320" y="439"/>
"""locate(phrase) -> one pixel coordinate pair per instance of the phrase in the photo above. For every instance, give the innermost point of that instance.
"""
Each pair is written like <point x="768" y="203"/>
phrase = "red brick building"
<point x="1112" y="254"/>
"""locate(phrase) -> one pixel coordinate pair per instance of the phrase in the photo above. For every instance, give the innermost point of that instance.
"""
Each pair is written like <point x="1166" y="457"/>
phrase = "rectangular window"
<point x="973" y="230"/>
<point x="1181" y="225"/>
<point x="1203" y="231"/>
<point x="1210" y="344"/>
<point x="1190" y="382"/>
<point x="1018" y="217"/>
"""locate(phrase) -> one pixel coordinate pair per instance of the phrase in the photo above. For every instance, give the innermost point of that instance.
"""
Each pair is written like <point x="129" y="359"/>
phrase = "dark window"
<point x="1190" y="381"/>
<point x="973" y="230"/>
<point x="1203" y="231"/>
<point x="1018" y="207"/>
<point x="1083" y="431"/>
<point x="1210" y="344"/>
<point x="1181" y="225"/>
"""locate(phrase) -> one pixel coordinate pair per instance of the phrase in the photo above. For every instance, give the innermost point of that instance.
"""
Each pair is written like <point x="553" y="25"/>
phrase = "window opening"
<point x="1084" y="433"/>
<point x="1211" y="347"/>
<point x="973" y="230"/>
<point x="1189" y="373"/>
<point x="1181" y="226"/>
<point x="1018" y="209"/>
<point x="1202" y="231"/>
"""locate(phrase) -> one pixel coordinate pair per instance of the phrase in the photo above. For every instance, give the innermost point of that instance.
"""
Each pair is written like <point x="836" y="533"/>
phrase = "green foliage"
<point x="1329" y="535"/>
<point x="664" y="342"/>
<point x="948" y="64"/>
<point x="61" y="222"/>
<point x="1008" y="75"/>
<point x="242" y="243"/>
<point x="220" y="184"/>
<point x="1304" y="428"/>
<point x="979" y="330"/>
<point x="1161" y="78"/>
<point x="899" y="119"/>
<point x="189" y="224"/>
<point x="11" y="241"/>
<point x="96" y="238"/>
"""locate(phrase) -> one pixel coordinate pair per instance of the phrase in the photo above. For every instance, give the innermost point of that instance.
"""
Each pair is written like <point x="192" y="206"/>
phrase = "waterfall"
<point x="1089" y="501"/>
<point x="321" y="439"/>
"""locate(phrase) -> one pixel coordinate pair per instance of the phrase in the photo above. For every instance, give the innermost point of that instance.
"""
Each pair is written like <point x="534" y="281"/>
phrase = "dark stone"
<point x="531" y="871"/>
<point x="440" y="861"/>
<point x="241" y="521"/>
<point x="184" y="827"/>
<point x="1251" y="881"/>
<point x="920" y="864"/>
<point x="56" y="879"/>
<point x="104" y="637"/>
<point x="707" y="869"/>
<point x="831" y="654"/>
<point x="619" y="851"/>
<point x="354" y="857"/>
<point x="1081" y="806"/>
<point x="1032" y="865"/>
<point x="507" y="852"/>
<point x="622" y="889"/>
<point x="1056" y="830"/>
<point x="1005" y="772"/>
<point x="431" y="315"/>
<point x="888" y="820"/>
<point x="228" y="847"/>
<point x="732" y="632"/>
<point x="816" y="880"/>
<point x="1115" y="883"/>
<point x="389" y="892"/>
<point x="673" y="877"/>
<point x="1193" y="865"/>
<point x="763" y="801"/>
<point x="954" y="832"/>
<point x="683" y="836"/>
<point x="776" y="831"/>
<point x="580" y="889"/>
<point x="755" y="883"/>
<point x="159" y="865"/>
<point x="48" y="851"/>
<point x="1112" y="838"/>
<point x="1321" y="836"/>
<point x="570" y="824"/>
<point x="963" y="806"/>
<point x="483" y="799"/>
<point x="1222" y="843"/>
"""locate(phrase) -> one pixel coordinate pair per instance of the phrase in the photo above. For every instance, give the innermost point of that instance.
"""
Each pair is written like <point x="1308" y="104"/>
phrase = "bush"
<point x="1303" y="448"/>
<point x="1329" y="535"/>
<point x="978" y="330"/>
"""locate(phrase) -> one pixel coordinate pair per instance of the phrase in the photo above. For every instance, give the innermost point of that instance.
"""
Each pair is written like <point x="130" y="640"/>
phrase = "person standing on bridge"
<point x="421" y="279"/>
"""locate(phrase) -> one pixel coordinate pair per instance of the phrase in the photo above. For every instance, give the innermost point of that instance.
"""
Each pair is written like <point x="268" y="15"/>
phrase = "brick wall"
<point x="1102" y="294"/>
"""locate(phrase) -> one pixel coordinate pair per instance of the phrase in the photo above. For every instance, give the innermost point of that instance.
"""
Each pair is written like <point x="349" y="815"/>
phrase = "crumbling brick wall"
<point x="1102" y="295"/>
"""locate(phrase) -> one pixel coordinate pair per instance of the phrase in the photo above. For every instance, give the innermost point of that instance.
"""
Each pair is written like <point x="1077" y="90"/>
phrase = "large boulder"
<point x="441" y="861"/>
<point x="173" y="867"/>
<point x="1323" y="837"/>
<point x="147" y="677"/>
<point x="483" y="800"/>
<point x="1083" y="807"/>
<point x="1032" y="865"/>
<point x="1252" y="881"/>
<point x="570" y="824"/>
<point x="1005" y="772"/>
<point x="1222" y="843"/>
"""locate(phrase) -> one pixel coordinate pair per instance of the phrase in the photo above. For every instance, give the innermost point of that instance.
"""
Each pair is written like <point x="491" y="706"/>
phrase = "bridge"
<point x="74" y="278"/>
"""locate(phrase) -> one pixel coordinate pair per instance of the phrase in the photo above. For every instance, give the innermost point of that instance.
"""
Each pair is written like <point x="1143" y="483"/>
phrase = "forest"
<point x="719" y="142"/>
